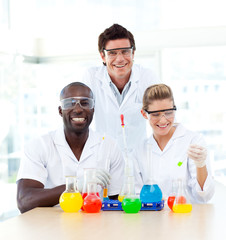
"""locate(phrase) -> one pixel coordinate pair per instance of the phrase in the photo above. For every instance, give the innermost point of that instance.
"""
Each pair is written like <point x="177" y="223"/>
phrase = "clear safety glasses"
<point x="113" y="53"/>
<point x="84" y="102"/>
<point x="157" y="115"/>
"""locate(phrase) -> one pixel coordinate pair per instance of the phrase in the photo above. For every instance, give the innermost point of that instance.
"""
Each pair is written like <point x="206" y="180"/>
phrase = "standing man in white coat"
<point x="118" y="86"/>
<point x="66" y="152"/>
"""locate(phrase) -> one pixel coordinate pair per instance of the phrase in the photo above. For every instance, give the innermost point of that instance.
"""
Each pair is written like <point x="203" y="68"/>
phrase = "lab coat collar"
<point x="179" y="132"/>
<point x="104" y="82"/>
<point x="104" y="78"/>
<point x="60" y="141"/>
<point x="102" y="75"/>
<point x="59" y="137"/>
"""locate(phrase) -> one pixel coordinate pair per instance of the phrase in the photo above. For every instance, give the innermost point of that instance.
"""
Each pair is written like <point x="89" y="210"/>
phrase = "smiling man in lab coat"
<point x="66" y="152"/>
<point x="118" y="86"/>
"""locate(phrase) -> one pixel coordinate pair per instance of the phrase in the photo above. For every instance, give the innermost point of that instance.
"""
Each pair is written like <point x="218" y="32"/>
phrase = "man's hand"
<point x="102" y="179"/>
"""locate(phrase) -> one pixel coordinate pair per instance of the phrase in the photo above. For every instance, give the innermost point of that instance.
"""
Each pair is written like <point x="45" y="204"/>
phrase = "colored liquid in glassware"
<point x="121" y="197"/>
<point x="151" y="193"/>
<point x="85" y="194"/>
<point x="170" y="201"/>
<point x="181" y="200"/>
<point x="92" y="203"/>
<point x="71" y="202"/>
<point x="105" y="193"/>
<point x="182" y="208"/>
<point x="131" y="205"/>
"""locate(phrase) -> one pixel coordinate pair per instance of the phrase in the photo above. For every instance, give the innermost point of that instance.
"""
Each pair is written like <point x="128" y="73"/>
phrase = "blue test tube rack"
<point x="115" y="205"/>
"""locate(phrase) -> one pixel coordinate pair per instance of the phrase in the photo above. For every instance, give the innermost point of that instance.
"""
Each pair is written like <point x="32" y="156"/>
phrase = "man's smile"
<point x="78" y="120"/>
<point x="120" y="66"/>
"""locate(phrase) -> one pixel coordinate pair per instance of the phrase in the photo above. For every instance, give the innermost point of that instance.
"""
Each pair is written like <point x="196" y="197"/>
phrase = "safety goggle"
<point x="84" y="102"/>
<point x="157" y="115"/>
<point x="113" y="53"/>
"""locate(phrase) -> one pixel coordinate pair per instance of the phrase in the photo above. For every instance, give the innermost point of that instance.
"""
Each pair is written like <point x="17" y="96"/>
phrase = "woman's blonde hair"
<point x="156" y="92"/>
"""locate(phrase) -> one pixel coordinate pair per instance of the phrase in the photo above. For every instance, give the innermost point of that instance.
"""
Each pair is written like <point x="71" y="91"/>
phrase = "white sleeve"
<point x="33" y="164"/>
<point x="199" y="195"/>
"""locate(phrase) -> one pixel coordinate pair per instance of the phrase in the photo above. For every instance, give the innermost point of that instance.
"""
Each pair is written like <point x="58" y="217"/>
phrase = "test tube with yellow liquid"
<point x="105" y="193"/>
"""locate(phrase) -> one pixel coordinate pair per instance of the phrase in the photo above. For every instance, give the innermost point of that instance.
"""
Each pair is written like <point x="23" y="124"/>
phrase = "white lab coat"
<point x="107" y="110"/>
<point x="165" y="167"/>
<point x="49" y="159"/>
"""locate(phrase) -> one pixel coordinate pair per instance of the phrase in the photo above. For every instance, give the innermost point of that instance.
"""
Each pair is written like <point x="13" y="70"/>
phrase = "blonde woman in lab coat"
<point x="172" y="143"/>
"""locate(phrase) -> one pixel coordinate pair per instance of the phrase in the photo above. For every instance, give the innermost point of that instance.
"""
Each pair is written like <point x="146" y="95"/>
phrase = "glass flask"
<point x="131" y="202"/>
<point x="125" y="188"/>
<point x="182" y="202"/>
<point x="172" y="194"/>
<point x="150" y="191"/>
<point x="92" y="202"/>
<point x="71" y="199"/>
<point x="89" y="176"/>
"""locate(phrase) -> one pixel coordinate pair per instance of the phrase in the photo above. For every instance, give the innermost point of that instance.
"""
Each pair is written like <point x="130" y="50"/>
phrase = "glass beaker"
<point x="71" y="199"/>
<point x="172" y="194"/>
<point x="125" y="187"/>
<point x="182" y="202"/>
<point x="150" y="191"/>
<point x="131" y="202"/>
<point x="92" y="203"/>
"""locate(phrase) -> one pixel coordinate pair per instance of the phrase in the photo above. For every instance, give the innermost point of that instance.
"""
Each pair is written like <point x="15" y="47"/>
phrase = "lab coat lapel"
<point x="104" y="83"/>
<point x="62" y="146"/>
<point x="179" y="132"/>
<point x="155" y="147"/>
<point x="89" y="148"/>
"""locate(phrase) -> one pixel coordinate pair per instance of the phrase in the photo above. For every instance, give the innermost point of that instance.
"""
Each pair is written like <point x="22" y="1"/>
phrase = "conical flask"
<point x="71" y="200"/>
<point x="131" y="202"/>
<point x="150" y="191"/>
<point x="172" y="194"/>
<point x="92" y="203"/>
<point x="182" y="203"/>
